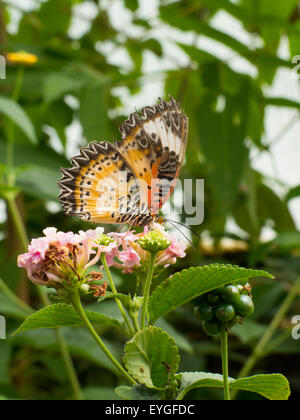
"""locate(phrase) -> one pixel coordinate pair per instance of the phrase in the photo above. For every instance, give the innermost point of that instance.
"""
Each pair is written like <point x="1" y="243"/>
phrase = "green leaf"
<point x="149" y="356"/>
<point x="272" y="387"/>
<point x="9" y="308"/>
<point x="56" y="85"/>
<point x="132" y="4"/>
<point x="5" y="351"/>
<point x="40" y="182"/>
<point x="180" y="340"/>
<point x="282" y="102"/>
<point x="56" y="16"/>
<point x="138" y="392"/>
<point x="188" y="284"/>
<point x="93" y="112"/>
<point x="287" y="241"/>
<point x="62" y="315"/>
<point x="293" y="193"/>
<point x="80" y="344"/>
<point x="249" y="331"/>
<point x="13" y="111"/>
<point x="222" y="136"/>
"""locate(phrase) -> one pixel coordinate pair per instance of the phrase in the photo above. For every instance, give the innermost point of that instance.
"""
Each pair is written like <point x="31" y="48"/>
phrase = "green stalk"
<point x="10" y="128"/>
<point x="259" y="351"/>
<point x="69" y="365"/>
<point x="17" y="220"/>
<point x="135" y="320"/>
<point x="224" y="351"/>
<point x="114" y="290"/>
<point x="64" y="352"/>
<point x="76" y="302"/>
<point x="15" y="299"/>
<point x="147" y="288"/>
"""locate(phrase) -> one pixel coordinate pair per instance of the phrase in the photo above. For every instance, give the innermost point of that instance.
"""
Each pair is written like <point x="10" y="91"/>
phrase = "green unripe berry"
<point x="244" y="305"/>
<point x="204" y="311"/>
<point x="225" y="312"/>
<point x="217" y="291"/>
<point x="211" y="328"/>
<point x="230" y="293"/>
<point x="213" y="299"/>
<point x="240" y="288"/>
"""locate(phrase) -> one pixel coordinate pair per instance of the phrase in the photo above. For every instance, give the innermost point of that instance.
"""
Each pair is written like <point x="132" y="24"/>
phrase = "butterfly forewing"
<point x="128" y="181"/>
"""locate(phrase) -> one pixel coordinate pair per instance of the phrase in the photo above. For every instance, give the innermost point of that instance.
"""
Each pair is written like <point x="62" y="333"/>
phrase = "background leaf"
<point x="13" y="111"/>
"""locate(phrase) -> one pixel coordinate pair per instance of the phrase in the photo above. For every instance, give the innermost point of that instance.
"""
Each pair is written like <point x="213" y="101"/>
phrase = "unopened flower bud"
<point x="85" y="288"/>
<point x="154" y="242"/>
<point x="104" y="240"/>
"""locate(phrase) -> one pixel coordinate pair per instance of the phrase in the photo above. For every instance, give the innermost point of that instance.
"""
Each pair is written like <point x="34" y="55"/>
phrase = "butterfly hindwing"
<point x="101" y="186"/>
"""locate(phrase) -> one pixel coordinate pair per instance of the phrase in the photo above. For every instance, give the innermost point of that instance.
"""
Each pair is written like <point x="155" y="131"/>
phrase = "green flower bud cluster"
<point x="104" y="240"/>
<point x="224" y="307"/>
<point x="154" y="241"/>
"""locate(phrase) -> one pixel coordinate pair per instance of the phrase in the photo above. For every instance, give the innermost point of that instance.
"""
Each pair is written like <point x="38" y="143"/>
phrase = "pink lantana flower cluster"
<point x="61" y="259"/>
<point x="129" y="256"/>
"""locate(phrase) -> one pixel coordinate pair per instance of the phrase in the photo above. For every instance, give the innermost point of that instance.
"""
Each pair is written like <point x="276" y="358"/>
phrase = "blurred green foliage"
<point x="75" y="82"/>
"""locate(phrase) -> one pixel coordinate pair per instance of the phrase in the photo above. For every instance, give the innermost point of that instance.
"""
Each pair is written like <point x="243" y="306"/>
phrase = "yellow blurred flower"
<point x="22" y="58"/>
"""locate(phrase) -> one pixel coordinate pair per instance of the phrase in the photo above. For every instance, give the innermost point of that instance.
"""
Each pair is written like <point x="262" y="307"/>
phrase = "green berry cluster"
<point x="224" y="307"/>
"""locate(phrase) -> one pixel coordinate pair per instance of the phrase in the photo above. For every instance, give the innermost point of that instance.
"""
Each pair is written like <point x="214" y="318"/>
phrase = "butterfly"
<point x="128" y="182"/>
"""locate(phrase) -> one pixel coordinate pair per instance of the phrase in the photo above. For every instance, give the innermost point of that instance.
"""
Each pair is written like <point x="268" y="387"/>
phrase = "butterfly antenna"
<point x="183" y="234"/>
<point x="182" y="224"/>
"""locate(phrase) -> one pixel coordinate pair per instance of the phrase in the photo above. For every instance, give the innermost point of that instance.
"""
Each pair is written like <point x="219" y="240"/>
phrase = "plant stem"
<point x="69" y="365"/>
<point x="114" y="290"/>
<point x="224" y="349"/>
<point x="14" y="298"/>
<point x="147" y="288"/>
<point x="135" y="320"/>
<point x="10" y="128"/>
<point x="76" y="302"/>
<point x="259" y="351"/>
<point x="17" y="220"/>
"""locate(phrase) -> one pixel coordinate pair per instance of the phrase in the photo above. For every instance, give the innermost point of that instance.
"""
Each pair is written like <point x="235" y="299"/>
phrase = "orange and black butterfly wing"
<point x="101" y="187"/>
<point x="128" y="181"/>
<point x="154" y="145"/>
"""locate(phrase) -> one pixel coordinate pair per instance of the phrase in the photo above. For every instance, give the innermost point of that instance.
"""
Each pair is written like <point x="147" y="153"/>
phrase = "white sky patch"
<point x="75" y="138"/>
<point x="3" y="217"/>
<point x="148" y="9"/>
<point x="224" y="22"/>
<point x="52" y="207"/>
<point x="282" y="133"/>
<point x="83" y="15"/>
<point x="54" y="140"/>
